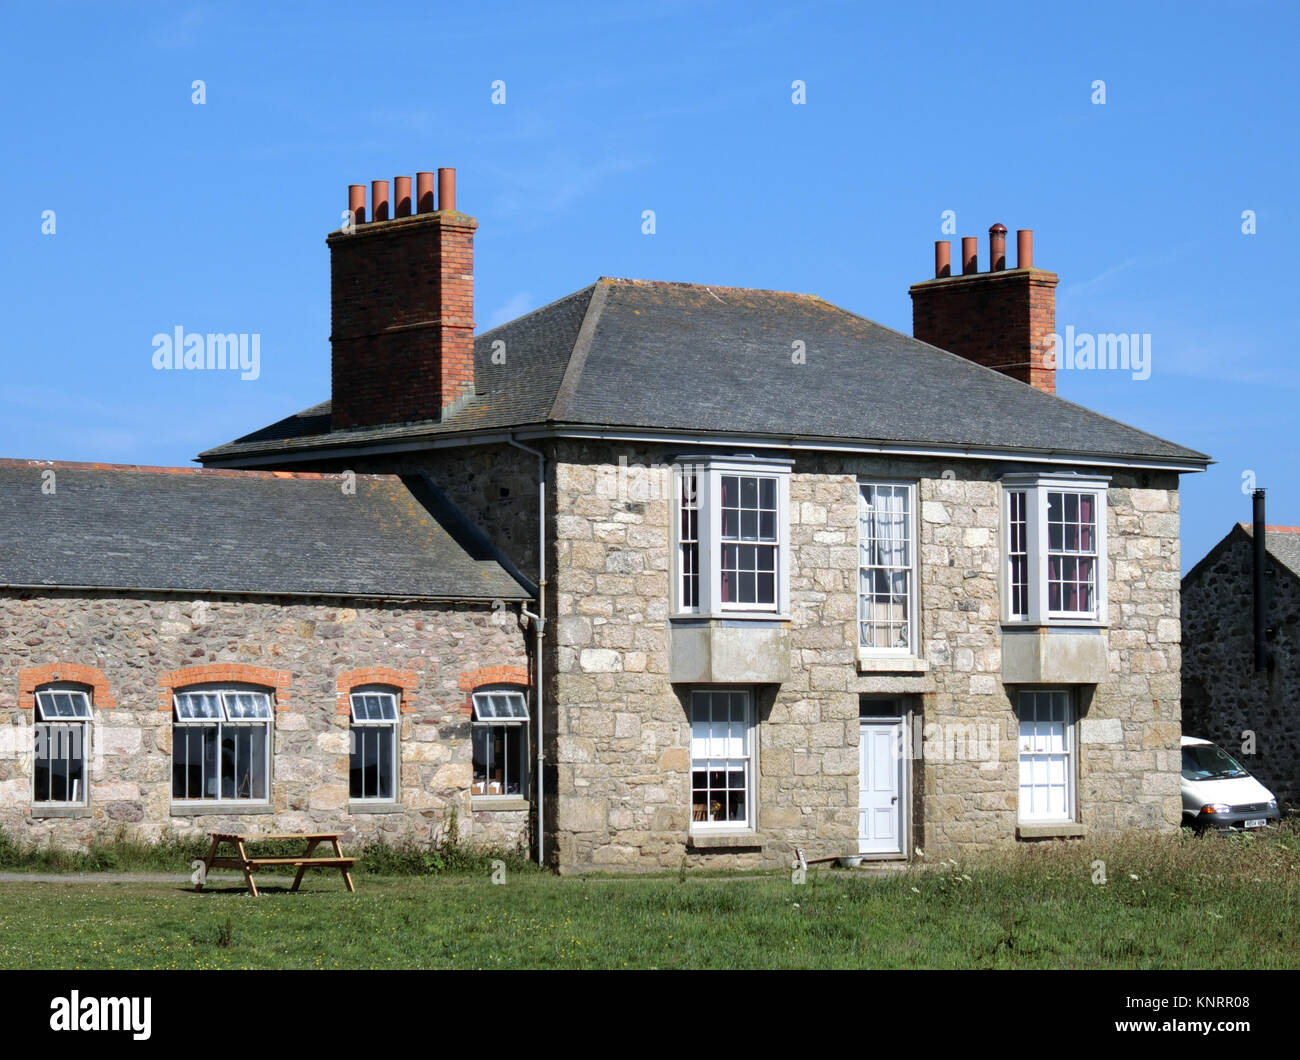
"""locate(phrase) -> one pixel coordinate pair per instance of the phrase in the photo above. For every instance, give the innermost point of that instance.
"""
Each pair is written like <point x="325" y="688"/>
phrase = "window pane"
<point x="58" y="703"/>
<point x="374" y="706"/>
<point x="247" y="705"/>
<point x="483" y="762"/>
<point x="387" y="766"/>
<point x="194" y="759"/>
<point x="749" y="493"/>
<point x="490" y="706"/>
<point x="198" y="706"/>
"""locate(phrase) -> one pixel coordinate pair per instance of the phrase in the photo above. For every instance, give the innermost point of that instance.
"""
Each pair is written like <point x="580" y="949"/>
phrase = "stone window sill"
<point x="60" y="811"/>
<point x="744" y="618"/>
<point x="361" y="806"/>
<point x="1065" y="830"/>
<point x="499" y="805"/>
<point x="725" y="841"/>
<point x="220" y="809"/>
<point x="1014" y="624"/>
<point x="891" y="664"/>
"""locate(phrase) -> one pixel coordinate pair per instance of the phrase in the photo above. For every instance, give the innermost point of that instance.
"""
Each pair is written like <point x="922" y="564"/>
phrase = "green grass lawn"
<point x="1168" y="902"/>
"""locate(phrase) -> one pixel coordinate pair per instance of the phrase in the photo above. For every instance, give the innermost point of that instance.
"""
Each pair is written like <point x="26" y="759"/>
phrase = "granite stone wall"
<point x="131" y="650"/>
<point x="622" y="732"/>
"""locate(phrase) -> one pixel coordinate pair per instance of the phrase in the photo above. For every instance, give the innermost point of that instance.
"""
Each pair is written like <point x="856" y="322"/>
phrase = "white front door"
<point x="880" y="787"/>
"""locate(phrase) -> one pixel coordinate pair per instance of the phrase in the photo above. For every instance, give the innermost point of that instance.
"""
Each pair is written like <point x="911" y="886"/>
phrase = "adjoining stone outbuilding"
<point x="187" y="651"/>
<point x="806" y="583"/>
<point x="1251" y="711"/>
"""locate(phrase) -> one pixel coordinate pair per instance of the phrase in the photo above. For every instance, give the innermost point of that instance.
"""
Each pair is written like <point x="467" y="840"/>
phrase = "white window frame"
<point x="708" y="472"/>
<point x="82" y="721"/>
<point x="222" y="723"/>
<point x="1036" y="488"/>
<point x="522" y="723"/>
<point x="749" y="757"/>
<point x="1025" y="749"/>
<point x="359" y="727"/>
<point x="913" y="649"/>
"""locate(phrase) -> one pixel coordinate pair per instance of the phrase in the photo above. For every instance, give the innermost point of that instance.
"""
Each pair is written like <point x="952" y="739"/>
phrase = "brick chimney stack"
<point x="1002" y="319"/>
<point x="402" y="305"/>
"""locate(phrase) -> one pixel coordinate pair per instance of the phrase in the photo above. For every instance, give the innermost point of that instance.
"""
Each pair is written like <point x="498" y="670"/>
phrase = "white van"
<point x="1218" y="793"/>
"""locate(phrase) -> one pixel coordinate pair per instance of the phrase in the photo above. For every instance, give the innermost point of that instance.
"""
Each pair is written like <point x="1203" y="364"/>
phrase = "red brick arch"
<point x="406" y="680"/>
<point x="31" y="679"/>
<point x="214" y="673"/>
<point x="469" y="680"/>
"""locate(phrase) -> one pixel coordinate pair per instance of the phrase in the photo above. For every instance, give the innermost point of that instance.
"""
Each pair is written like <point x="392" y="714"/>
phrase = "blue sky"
<point x="213" y="216"/>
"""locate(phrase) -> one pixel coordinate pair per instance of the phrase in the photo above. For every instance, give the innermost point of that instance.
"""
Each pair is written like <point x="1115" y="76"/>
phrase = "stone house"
<point x="1227" y="698"/>
<point x="187" y="651"/>
<point x="802" y="581"/>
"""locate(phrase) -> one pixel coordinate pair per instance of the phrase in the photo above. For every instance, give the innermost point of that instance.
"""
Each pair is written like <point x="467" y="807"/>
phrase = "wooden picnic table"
<point x="246" y="862"/>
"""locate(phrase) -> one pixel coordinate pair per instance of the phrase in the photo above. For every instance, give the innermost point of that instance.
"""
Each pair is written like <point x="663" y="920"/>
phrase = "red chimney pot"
<point x="1024" y="248"/>
<point x="942" y="258"/>
<point x="424" y="192"/>
<point x="402" y="196"/>
<point x="357" y="203"/>
<point x="446" y="189"/>
<point x="997" y="248"/>
<point x="379" y="200"/>
<point x="970" y="248"/>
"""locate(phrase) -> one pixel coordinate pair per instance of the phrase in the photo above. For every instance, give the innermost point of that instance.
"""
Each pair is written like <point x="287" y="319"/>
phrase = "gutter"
<point x="539" y="628"/>
<point x="48" y="587"/>
<point x="957" y="452"/>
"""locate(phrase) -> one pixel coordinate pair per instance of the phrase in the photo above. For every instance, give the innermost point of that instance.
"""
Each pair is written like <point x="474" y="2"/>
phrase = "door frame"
<point x="901" y="716"/>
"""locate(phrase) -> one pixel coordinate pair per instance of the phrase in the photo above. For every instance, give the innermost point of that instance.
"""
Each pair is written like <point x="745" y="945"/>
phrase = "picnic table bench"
<point x="246" y="862"/>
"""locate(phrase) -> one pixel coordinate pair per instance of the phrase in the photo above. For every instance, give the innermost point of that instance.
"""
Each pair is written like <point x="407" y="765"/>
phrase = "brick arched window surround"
<point x="469" y="680"/>
<point x="406" y="680"/>
<point x="31" y="679"/>
<point x="222" y="673"/>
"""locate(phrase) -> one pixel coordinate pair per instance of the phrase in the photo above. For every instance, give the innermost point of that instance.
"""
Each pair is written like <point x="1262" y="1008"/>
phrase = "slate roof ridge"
<point x="1056" y="397"/>
<point x="1250" y="529"/>
<point x="577" y="359"/>
<point x="711" y="288"/>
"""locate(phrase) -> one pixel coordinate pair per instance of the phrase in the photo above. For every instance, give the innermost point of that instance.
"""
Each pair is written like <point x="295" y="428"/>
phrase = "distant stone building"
<point x="1225" y="698"/>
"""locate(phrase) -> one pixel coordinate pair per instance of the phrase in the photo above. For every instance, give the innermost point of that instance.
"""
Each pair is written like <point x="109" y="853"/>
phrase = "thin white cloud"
<point x="1085" y="286"/>
<point x="516" y="305"/>
<point x="181" y="31"/>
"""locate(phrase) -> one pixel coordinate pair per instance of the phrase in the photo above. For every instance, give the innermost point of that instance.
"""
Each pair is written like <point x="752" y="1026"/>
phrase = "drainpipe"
<point x="539" y="626"/>
<point x="1261" y="603"/>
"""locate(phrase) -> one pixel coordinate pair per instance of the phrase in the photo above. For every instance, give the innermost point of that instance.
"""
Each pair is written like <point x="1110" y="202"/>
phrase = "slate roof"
<point x="239" y="532"/>
<point x="682" y="357"/>
<point x="1281" y="542"/>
